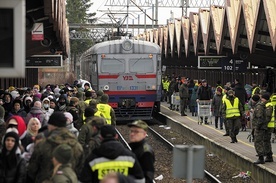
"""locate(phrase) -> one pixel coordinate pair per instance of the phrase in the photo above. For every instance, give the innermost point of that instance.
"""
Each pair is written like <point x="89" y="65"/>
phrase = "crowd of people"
<point x="233" y="105"/>
<point x="67" y="134"/>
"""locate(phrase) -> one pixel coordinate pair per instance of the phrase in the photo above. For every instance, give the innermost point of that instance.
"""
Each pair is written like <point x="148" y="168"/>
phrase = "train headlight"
<point x="127" y="45"/>
<point x="151" y="87"/>
<point x="106" y="87"/>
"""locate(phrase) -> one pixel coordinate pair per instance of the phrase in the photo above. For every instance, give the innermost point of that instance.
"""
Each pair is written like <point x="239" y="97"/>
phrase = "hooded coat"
<point x="38" y="113"/>
<point x="41" y="167"/>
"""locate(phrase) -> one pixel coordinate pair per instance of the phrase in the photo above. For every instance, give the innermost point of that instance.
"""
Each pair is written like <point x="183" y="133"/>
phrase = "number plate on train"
<point x="133" y="87"/>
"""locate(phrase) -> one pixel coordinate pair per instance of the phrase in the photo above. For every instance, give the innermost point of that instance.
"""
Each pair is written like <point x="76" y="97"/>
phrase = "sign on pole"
<point x="38" y="32"/>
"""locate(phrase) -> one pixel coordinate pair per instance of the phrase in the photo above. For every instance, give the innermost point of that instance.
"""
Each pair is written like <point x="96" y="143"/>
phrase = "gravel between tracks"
<point x="163" y="164"/>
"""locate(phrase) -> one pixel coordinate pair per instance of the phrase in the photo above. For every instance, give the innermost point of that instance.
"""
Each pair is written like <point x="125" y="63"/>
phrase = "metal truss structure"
<point x="100" y="29"/>
<point x="166" y="3"/>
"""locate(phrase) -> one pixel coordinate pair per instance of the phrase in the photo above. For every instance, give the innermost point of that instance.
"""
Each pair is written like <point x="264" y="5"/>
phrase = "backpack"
<point x="37" y="116"/>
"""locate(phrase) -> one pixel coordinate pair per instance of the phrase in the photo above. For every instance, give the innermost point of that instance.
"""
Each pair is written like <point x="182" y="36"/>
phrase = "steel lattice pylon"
<point x="98" y="31"/>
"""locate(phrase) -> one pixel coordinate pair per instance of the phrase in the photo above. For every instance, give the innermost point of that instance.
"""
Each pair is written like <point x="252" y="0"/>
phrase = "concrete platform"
<point x="241" y="154"/>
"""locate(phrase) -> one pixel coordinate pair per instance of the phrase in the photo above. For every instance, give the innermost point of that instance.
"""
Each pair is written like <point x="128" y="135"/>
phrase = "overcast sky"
<point x="163" y="14"/>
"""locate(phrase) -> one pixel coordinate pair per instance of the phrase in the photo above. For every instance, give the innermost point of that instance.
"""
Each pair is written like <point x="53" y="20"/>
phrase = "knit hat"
<point x="57" y="119"/>
<point x="63" y="153"/>
<point x="104" y="98"/>
<point x="204" y="81"/>
<point x="231" y="92"/>
<point x="88" y="112"/>
<point x="37" y="104"/>
<point x="69" y="117"/>
<point x="108" y="131"/>
<point x="255" y="98"/>
<point x="13" y="135"/>
<point x="93" y="102"/>
<point x="265" y="96"/>
<point x="2" y="112"/>
<point x="99" y="93"/>
<point x="139" y="124"/>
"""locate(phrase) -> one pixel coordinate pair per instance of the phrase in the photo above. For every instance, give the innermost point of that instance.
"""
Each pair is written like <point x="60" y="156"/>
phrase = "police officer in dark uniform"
<point x="142" y="150"/>
<point x="261" y="117"/>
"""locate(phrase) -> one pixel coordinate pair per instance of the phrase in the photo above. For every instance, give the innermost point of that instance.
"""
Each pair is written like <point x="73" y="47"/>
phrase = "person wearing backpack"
<point x="37" y="112"/>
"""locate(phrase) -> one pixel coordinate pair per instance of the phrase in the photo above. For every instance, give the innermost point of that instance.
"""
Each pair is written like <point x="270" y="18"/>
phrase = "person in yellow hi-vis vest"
<point x="232" y="111"/>
<point x="270" y="109"/>
<point x="107" y="110"/>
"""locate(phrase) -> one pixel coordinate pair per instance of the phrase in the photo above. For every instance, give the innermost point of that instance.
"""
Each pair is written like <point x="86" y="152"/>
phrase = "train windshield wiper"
<point x="136" y="61"/>
<point x="118" y="60"/>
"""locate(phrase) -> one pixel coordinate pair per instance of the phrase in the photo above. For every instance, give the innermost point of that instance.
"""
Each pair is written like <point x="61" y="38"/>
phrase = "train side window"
<point x="112" y="65"/>
<point x="141" y="65"/>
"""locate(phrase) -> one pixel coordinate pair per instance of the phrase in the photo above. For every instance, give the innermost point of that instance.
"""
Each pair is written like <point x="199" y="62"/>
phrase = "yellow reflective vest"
<point x="105" y="109"/>
<point x="271" y="123"/>
<point x="232" y="110"/>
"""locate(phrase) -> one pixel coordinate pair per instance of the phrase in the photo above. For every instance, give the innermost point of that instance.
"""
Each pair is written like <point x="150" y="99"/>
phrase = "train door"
<point x="94" y="72"/>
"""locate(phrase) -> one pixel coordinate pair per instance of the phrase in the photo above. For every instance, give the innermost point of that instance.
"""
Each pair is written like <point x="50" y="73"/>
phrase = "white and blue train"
<point x="129" y="71"/>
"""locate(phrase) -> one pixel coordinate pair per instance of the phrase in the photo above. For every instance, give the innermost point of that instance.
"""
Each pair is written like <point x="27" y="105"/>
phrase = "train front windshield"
<point x="112" y="65"/>
<point x="135" y="65"/>
<point x="141" y="65"/>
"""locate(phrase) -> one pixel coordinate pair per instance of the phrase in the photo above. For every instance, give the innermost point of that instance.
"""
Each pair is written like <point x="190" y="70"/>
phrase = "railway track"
<point x="163" y="152"/>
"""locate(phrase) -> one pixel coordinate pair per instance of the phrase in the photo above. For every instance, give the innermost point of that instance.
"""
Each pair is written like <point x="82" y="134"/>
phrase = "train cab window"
<point x="112" y="65"/>
<point x="141" y="65"/>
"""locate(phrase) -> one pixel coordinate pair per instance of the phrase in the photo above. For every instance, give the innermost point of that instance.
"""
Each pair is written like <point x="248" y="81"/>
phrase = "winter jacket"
<point x="204" y="93"/>
<point x="41" y="167"/>
<point x="146" y="158"/>
<point x="240" y="93"/>
<point x="102" y="161"/>
<point x="217" y="105"/>
<point x="15" y="174"/>
<point x="38" y="113"/>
